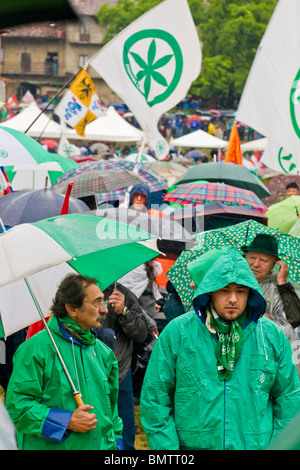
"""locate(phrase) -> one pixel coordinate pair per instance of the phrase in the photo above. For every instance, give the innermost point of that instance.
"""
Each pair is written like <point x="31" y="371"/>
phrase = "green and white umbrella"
<point x="27" y="163"/>
<point x="30" y="177"/>
<point x="17" y="148"/>
<point x="35" y="257"/>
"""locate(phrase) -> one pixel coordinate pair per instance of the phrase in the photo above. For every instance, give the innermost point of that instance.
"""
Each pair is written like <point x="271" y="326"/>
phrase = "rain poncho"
<point x="184" y="404"/>
<point x="40" y="400"/>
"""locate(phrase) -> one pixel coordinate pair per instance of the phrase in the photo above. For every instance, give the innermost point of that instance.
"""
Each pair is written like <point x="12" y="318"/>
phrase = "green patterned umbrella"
<point x="238" y="235"/>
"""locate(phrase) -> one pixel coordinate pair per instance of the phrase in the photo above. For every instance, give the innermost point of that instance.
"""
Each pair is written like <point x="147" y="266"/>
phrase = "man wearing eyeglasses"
<point x="39" y="398"/>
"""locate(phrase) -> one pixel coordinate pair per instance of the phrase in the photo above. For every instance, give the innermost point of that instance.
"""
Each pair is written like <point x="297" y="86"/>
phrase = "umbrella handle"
<point x="78" y="399"/>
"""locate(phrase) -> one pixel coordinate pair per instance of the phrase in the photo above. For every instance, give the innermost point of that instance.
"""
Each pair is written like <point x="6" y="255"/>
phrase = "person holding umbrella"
<point x="220" y="377"/>
<point x="283" y="303"/>
<point x="39" y="398"/>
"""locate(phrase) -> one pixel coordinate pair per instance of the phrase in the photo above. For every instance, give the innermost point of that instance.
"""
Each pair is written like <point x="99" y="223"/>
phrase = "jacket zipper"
<point x="224" y="417"/>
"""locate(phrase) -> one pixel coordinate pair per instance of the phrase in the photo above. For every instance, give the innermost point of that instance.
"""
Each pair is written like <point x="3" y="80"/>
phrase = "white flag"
<point x="151" y="64"/>
<point x="66" y="149"/>
<point x="270" y="102"/>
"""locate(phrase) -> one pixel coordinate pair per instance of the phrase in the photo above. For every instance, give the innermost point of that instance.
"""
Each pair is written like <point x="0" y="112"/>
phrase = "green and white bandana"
<point x="229" y="346"/>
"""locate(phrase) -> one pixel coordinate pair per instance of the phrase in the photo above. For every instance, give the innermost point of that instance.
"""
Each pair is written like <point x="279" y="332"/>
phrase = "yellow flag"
<point x="80" y="104"/>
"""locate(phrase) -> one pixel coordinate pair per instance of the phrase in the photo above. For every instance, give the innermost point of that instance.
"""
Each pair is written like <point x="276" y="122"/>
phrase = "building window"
<point x="82" y="60"/>
<point x="25" y="62"/>
<point x="83" y="33"/>
<point x="51" y="63"/>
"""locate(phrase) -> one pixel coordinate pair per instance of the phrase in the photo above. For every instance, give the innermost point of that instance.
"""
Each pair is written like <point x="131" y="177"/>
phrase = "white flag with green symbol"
<point x="270" y="102"/>
<point x="151" y="64"/>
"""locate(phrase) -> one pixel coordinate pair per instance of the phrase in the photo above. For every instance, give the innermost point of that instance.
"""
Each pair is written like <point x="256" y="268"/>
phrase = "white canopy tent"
<point x="109" y="128"/>
<point x="44" y="126"/>
<point x="200" y="139"/>
<point x="255" y="145"/>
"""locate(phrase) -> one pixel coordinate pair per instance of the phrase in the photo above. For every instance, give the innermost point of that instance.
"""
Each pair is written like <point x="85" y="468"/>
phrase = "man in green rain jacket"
<point x="221" y="376"/>
<point x="39" y="397"/>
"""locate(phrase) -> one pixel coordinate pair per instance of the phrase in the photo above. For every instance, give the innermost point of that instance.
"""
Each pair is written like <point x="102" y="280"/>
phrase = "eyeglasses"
<point x="97" y="302"/>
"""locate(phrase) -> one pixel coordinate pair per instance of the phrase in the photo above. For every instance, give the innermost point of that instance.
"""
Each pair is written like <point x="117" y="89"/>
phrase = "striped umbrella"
<point x="155" y="181"/>
<point x="202" y="193"/>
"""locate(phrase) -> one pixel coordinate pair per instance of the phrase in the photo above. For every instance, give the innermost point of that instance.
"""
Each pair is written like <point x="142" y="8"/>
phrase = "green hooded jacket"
<point x="40" y="401"/>
<point x="184" y="405"/>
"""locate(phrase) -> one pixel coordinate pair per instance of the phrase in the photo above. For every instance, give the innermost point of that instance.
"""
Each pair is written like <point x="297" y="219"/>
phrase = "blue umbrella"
<point x="30" y="206"/>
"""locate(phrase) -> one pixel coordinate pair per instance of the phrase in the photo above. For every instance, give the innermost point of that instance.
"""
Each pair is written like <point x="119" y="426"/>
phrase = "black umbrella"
<point x="195" y="154"/>
<point x="203" y="217"/>
<point x="22" y="207"/>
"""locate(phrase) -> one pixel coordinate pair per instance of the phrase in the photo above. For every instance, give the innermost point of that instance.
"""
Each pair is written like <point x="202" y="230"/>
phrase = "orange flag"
<point x="234" y="153"/>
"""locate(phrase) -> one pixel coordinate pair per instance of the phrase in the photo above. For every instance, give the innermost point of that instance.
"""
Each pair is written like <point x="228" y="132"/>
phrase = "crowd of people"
<point x="220" y="376"/>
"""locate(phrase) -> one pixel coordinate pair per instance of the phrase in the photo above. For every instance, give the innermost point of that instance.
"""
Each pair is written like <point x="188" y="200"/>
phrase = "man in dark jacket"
<point x="126" y="319"/>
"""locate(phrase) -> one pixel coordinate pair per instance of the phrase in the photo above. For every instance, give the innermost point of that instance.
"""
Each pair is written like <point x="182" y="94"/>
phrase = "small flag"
<point x="66" y="149"/>
<point x="151" y="64"/>
<point x="80" y="104"/>
<point x="11" y="102"/>
<point x="4" y="182"/>
<point x="234" y="153"/>
<point x="28" y="98"/>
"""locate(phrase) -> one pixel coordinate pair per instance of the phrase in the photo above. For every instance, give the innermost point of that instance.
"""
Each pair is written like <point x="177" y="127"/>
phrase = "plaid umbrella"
<point x="238" y="235"/>
<point x="227" y="173"/>
<point x="97" y="182"/>
<point x="155" y="181"/>
<point x="202" y="193"/>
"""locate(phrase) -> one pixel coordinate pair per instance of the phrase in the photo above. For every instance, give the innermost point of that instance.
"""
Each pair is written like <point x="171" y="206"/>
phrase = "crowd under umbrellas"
<point x="81" y="220"/>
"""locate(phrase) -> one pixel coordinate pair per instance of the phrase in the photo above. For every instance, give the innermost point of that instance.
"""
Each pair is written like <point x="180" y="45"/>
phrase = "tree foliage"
<point x="229" y="30"/>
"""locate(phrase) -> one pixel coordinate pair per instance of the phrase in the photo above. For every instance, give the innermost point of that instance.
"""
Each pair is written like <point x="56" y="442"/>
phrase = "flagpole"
<point x="53" y="99"/>
<point x="136" y="167"/>
<point x="140" y="153"/>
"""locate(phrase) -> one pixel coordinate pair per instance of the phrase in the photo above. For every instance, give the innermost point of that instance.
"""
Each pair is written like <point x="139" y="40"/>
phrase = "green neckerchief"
<point x="85" y="337"/>
<point x="229" y="346"/>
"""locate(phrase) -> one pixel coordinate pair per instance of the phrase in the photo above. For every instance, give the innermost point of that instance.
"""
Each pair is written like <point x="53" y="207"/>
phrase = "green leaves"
<point x="149" y="68"/>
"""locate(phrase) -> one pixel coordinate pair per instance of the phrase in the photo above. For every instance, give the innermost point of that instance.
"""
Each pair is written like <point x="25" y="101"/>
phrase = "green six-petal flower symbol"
<point x="149" y="68"/>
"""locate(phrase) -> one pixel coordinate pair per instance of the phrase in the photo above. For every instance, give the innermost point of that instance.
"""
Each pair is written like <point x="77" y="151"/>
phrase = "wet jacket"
<point x="128" y="329"/>
<point x="282" y="304"/>
<point x="40" y="401"/>
<point x="184" y="405"/>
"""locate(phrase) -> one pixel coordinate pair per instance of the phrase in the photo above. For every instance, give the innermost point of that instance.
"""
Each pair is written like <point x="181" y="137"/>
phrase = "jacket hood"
<point x="142" y="189"/>
<point x="220" y="268"/>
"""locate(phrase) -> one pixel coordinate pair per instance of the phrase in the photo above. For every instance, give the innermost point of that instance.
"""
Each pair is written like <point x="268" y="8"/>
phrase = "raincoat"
<point x="184" y="404"/>
<point x="40" y="401"/>
<point x="141" y="189"/>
